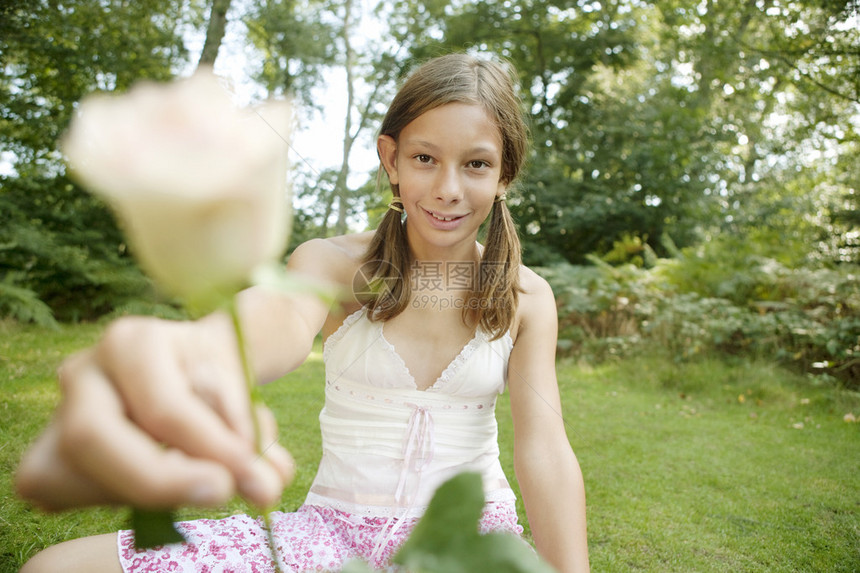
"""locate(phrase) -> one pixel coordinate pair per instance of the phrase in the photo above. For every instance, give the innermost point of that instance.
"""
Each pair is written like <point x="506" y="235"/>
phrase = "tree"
<point x="670" y="117"/>
<point x="591" y="178"/>
<point x="294" y="42"/>
<point x="785" y="84"/>
<point x="372" y="72"/>
<point x="215" y="31"/>
<point x="323" y="39"/>
<point x="58" y="243"/>
<point x="665" y="117"/>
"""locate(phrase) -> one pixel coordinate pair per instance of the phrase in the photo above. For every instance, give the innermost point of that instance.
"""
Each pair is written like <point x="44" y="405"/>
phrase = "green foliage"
<point x="600" y="307"/>
<point x="731" y="127"/>
<point x="295" y="44"/>
<point x="54" y="54"/>
<point x="630" y="249"/>
<point x="154" y="528"/>
<point x="446" y="539"/>
<point x="724" y="299"/>
<point x="57" y="243"/>
<point x="23" y="304"/>
<point x="62" y="245"/>
<point x="670" y="116"/>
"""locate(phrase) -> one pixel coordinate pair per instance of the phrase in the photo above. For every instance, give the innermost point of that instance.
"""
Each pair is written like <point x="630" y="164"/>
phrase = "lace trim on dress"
<point x="398" y="360"/>
<point x="448" y="373"/>
<point x="449" y="370"/>
<point x="458" y="361"/>
<point x="465" y="354"/>
<point x="480" y="337"/>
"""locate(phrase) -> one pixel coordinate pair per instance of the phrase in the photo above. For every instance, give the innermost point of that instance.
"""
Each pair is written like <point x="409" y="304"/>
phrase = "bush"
<point x="809" y="318"/>
<point x="61" y="254"/>
<point x="23" y="304"/>
<point x="601" y="308"/>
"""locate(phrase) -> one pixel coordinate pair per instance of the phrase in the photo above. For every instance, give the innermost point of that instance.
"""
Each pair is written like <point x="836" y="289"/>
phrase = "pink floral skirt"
<point x="313" y="538"/>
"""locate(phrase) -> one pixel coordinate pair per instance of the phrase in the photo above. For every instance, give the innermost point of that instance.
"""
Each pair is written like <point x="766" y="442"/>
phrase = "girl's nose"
<point x="449" y="187"/>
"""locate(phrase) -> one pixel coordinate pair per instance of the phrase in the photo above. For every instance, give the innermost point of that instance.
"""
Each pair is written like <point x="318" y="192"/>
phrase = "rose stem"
<point x="256" y="399"/>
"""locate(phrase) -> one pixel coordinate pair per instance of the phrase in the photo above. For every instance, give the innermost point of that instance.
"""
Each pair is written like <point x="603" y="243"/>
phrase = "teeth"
<point x="435" y="216"/>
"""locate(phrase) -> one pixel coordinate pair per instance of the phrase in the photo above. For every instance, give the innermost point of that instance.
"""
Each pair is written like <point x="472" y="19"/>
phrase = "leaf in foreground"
<point x="153" y="528"/>
<point x="446" y="539"/>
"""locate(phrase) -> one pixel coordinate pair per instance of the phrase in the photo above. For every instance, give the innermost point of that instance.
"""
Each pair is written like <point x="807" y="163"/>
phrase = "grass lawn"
<point x="696" y="467"/>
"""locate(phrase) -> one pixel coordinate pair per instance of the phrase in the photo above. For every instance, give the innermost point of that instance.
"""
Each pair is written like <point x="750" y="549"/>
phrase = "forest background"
<point x="694" y="182"/>
<point x="692" y="197"/>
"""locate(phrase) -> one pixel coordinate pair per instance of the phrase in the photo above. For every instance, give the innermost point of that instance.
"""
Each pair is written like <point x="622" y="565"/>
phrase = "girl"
<point x="412" y="372"/>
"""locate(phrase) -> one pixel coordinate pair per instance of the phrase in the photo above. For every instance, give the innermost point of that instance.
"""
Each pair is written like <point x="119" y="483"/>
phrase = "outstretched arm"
<point x="547" y="470"/>
<point x="157" y="413"/>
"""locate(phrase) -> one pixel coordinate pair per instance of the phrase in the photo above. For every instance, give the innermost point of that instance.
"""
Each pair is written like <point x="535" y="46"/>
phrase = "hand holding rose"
<point x="158" y="414"/>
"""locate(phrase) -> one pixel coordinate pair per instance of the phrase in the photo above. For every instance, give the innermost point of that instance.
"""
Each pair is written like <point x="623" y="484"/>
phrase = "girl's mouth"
<point x="442" y="217"/>
<point x="443" y="221"/>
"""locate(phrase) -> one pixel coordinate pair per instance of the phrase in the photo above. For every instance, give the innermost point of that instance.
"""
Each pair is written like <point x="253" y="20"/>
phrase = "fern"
<point x="23" y="304"/>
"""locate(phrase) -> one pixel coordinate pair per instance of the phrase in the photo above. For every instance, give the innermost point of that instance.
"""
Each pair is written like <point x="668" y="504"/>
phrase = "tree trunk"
<point x="214" y="32"/>
<point x="348" y="138"/>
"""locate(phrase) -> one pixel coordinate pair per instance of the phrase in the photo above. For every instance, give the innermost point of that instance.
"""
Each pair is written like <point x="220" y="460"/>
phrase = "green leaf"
<point x="446" y="539"/>
<point x="153" y="528"/>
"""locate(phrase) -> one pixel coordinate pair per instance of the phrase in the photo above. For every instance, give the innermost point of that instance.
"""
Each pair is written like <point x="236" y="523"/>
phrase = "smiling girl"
<point x="411" y="382"/>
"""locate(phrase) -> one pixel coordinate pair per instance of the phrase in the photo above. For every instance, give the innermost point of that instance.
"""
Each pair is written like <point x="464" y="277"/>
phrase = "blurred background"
<point x="694" y="182"/>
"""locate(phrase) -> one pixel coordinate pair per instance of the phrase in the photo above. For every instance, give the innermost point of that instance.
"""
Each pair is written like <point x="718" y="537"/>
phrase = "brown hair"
<point x="464" y="79"/>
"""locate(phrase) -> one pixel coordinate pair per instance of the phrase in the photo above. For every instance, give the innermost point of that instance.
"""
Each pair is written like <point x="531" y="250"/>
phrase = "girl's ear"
<point x="386" y="147"/>
<point x="503" y="187"/>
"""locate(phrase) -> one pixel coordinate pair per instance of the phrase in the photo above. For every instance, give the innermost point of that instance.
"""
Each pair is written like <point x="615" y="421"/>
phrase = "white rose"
<point x="198" y="184"/>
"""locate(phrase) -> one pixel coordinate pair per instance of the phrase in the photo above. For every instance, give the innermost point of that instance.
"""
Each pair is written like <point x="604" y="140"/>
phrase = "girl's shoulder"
<point x="352" y="246"/>
<point x="535" y="304"/>
<point x="533" y="286"/>
<point x="331" y="259"/>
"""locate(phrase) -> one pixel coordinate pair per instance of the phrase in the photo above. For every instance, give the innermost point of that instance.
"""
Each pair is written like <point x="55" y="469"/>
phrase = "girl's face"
<point x="448" y="163"/>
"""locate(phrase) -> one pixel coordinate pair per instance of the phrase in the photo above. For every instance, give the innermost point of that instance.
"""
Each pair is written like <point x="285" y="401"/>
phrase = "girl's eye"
<point x="477" y="164"/>
<point x="423" y="158"/>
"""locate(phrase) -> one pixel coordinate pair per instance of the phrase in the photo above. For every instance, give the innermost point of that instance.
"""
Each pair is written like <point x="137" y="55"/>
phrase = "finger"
<point x="126" y="463"/>
<point x="188" y="424"/>
<point x="45" y="479"/>
<point x="220" y="390"/>
<point x="154" y="363"/>
<point x="217" y="383"/>
<point x="157" y="392"/>
<point x="276" y="454"/>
